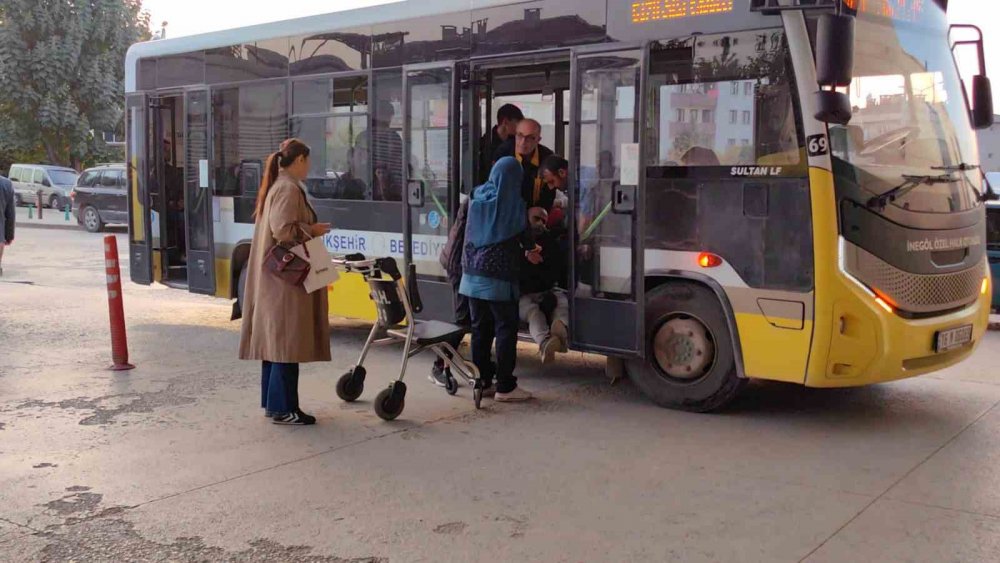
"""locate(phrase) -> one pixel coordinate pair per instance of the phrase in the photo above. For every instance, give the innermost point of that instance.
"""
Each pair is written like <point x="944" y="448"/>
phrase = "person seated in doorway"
<point x="543" y="305"/>
<point x="526" y="147"/>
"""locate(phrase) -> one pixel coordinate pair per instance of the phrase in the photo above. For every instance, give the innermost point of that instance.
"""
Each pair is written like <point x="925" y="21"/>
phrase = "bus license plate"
<point x="952" y="338"/>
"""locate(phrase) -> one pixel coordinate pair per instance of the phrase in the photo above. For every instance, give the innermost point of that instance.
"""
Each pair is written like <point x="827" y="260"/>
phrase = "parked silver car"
<point x="55" y="183"/>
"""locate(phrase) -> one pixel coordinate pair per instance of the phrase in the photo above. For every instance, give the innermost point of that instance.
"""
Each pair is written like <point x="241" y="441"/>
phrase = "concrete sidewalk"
<point x="51" y="219"/>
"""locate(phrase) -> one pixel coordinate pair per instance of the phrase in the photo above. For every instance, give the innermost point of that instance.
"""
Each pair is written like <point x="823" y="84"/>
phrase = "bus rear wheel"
<point x="241" y="287"/>
<point x="690" y="360"/>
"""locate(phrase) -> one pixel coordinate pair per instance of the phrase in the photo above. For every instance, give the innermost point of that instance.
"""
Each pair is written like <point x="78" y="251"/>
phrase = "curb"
<point x="31" y="225"/>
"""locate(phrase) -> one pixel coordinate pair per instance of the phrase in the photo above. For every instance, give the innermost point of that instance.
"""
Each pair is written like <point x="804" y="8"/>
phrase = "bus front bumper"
<point x="869" y="344"/>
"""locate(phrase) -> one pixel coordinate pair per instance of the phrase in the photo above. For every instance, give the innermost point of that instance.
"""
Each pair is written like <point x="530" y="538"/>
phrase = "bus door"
<point x="198" y="194"/>
<point x="431" y="168"/>
<point x="140" y="228"/>
<point x="606" y="287"/>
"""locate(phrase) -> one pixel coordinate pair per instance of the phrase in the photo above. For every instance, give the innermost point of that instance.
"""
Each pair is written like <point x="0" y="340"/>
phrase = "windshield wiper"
<point x="960" y="167"/>
<point x="986" y="195"/>
<point x="910" y="182"/>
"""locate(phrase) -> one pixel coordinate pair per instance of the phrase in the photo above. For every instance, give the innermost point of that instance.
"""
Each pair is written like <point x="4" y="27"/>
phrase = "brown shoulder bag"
<point x="290" y="267"/>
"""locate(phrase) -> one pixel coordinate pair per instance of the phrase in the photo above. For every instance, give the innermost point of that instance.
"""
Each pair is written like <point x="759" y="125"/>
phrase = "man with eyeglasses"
<point x="526" y="147"/>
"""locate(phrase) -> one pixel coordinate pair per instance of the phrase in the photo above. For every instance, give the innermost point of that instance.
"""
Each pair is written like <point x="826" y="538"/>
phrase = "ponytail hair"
<point x="290" y="151"/>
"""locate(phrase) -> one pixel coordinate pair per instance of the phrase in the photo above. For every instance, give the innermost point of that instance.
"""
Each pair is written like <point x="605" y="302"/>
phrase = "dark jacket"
<point x="530" y="182"/>
<point x="7" y="210"/>
<point x="489" y="144"/>
<point x="451" y="255"/>
<point x="539" y="278"/>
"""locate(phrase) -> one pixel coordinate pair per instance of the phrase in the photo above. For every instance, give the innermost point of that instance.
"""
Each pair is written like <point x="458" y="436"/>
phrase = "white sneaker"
<point x="518" y="395"/>
<point x="561" y="331"/>
<point x="548" y="349"/>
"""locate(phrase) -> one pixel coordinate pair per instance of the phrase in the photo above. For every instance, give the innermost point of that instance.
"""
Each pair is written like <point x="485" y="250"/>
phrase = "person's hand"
<point x="319" y="229"/>
<point x="535" y="256"/>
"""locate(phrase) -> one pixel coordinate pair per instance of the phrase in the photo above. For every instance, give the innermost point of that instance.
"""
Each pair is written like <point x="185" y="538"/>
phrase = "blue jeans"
<point x="279" y="387"/>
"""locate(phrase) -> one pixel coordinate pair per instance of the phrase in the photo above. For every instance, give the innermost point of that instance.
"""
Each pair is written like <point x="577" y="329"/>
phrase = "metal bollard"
<point x="40" y="206"/>
<point x="116" y="307"/>
<point x="31" y="211"/>
<point x="66" y="216"/>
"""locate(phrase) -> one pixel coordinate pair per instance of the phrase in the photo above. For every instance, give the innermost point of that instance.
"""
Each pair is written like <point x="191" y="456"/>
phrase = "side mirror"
<point x="981" y="110"/>
<point x="982" y="102"/>
<point x="834" y="67"/>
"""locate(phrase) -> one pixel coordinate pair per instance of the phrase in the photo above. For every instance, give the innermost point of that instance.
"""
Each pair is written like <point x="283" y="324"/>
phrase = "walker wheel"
<point x="451" y="385"/>
<point x="387" y="405"/>
<point x="351" y="384"/>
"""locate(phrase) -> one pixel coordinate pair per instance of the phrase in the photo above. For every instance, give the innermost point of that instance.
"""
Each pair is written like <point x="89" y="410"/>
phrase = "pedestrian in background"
<point x="496" y="240"/>
<point x="7" y="217"/>
<point x="283" y="326"/>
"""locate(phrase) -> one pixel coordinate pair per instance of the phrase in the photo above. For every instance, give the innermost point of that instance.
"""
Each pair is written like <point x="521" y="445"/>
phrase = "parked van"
<point x="55" y="183"/>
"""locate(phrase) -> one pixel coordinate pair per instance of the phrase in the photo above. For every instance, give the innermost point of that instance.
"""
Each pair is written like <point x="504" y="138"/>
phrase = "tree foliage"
<point x="62" y="66"/>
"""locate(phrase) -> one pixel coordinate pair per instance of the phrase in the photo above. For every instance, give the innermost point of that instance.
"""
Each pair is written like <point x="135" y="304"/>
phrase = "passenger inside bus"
<point x="543" y="304"/>
<point x="508" y="116"/>
<point x="526" y="147"/>
<point x="173" y="192"/>
<point x="387" y="148"/>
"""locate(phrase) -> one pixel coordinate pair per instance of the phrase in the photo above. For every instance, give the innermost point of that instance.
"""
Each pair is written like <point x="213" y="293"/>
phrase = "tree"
<point x="62" y="66"/>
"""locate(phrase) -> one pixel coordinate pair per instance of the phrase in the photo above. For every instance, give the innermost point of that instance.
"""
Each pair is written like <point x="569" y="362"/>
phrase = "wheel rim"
<point x="684" y="348"/>
<point x="90" y="218"/>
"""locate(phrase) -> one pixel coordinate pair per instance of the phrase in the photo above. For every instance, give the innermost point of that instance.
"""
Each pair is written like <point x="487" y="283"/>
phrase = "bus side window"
<point x="331" y="116"/>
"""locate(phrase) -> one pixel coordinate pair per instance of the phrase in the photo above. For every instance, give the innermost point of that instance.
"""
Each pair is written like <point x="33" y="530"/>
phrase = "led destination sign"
<point x="660" y="10"/>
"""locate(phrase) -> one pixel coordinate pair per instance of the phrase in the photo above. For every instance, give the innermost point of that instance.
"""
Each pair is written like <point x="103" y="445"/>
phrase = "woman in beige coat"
<point x="283" y="325"/>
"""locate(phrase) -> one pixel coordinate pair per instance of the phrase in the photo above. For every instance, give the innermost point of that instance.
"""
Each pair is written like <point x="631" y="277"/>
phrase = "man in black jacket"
<point x="508" y="116"/>
<point x="541" y="298"/>
<point x="7" y="216"/>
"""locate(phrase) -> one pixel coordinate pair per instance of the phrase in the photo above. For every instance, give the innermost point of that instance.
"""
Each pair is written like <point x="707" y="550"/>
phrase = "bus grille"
<point x="917" y="293"/>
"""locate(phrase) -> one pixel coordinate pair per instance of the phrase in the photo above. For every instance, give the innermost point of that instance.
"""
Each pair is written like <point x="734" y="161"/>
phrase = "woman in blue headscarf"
<point x="497" y="239"/>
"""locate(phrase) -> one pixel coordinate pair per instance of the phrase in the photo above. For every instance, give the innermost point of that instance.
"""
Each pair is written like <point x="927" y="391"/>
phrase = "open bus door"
<point x="198" y="194"/>
<point x="140" y="226"/>
<point x="431" y="167"/>
<point x="607" y="293"/>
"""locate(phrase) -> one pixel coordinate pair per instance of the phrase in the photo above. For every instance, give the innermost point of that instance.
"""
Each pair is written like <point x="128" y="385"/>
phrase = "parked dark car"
<point x="99" y="197"/>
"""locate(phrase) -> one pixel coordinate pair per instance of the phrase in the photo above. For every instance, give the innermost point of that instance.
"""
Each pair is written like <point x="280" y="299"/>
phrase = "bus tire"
<point x="241" y="287"/>
<point x="690" y="359"/>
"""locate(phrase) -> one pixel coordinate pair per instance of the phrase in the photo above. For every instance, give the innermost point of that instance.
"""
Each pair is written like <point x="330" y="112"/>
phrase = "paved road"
<point x="174" y="461"/>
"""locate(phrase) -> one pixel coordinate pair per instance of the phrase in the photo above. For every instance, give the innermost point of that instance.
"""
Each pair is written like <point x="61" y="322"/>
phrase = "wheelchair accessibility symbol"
<point x="434" y="219"/>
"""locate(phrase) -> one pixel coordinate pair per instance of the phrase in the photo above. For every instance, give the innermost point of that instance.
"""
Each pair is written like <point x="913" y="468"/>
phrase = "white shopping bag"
<point x="321" y="270"/>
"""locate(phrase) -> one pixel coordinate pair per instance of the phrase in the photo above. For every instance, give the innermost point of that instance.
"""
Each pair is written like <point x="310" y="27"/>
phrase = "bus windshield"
<point x="910" y="117"/>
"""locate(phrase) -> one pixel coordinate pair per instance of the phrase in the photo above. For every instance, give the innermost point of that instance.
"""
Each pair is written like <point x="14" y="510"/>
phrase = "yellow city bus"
<point x="736" y="209"/>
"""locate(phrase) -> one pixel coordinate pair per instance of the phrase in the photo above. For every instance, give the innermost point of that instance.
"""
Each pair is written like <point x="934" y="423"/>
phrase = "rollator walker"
<point x="396" y="303"/>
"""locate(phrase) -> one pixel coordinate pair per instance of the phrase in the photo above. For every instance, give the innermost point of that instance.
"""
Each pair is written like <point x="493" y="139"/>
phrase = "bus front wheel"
<point x="690" y="360"/>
